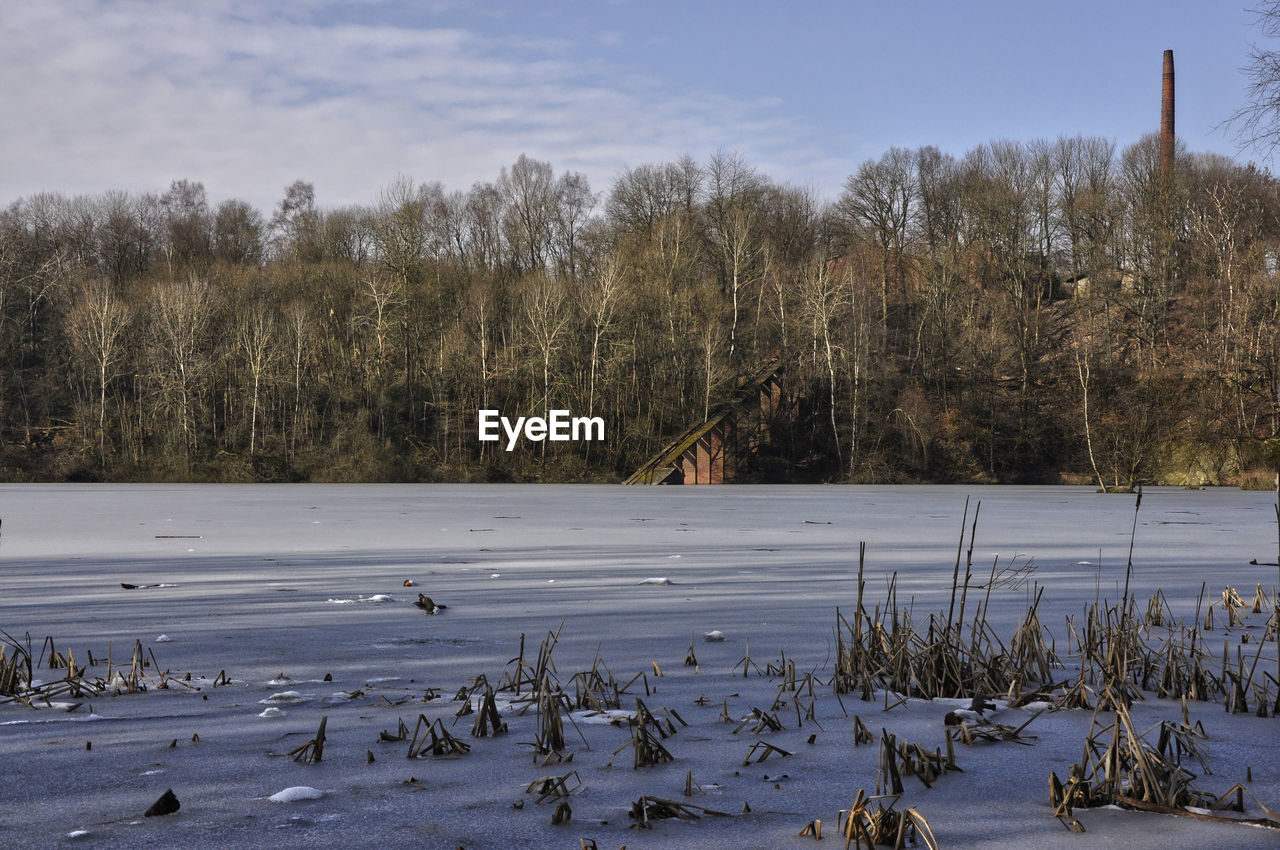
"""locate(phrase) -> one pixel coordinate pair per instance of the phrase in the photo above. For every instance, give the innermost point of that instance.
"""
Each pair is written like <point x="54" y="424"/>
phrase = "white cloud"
<point x="130" y="95"/>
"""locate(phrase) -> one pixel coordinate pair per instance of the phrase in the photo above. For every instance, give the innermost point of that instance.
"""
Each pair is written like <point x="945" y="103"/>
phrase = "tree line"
<point x="1023" y="312"/>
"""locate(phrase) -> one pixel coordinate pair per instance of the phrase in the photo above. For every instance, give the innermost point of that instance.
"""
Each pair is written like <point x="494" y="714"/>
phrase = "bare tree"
<point x="178" y="324"/>
<point x="482" y="327"/>
<point x="255" y="339"/>
<point x="187" y="231"/>
<point x="734" y="190"/>
<point x="294" y="223"/>
<point x="297" y="322"/>
<point x="1080" y="346"/>
<point x="348" y="234"/>
<point x="600" y="301"/>
<point x="574" y="204"/>
<point x="878" y="198"/>
<point x="98" y="321"/>
<point x="384" y="296"/>
<point x="1087" y="205"/>
<point x="1257" y="123"/>
<point x="1153" y="229"/>
<point x="643" y="196"/>
<point x="123" y="242"/>
<point x="530" y="193"/>
<point x="238" y="233"/>
<point x="546" y="321"/>
<point x="938" y="233"/>
<point x="484" y="243"/>
<point x="405" y="227"/>
<point x="824" y="301"/>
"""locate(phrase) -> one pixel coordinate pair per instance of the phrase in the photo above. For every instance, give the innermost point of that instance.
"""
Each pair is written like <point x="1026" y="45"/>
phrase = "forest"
<point x="1039" y="311"/>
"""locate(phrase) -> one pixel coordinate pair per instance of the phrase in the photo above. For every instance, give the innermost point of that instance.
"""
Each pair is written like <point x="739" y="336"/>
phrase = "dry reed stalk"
<point x="312" y="752"/>
<point x="647" y="809"/>
<point x="888" y="777"/>
<point x="761" y="750"/>
<point x="690" y="784"/>
<point x="861" y="734"/>
<point x="554" y="787"/>
<point x="882" y="825"/>
<point x="987" y="730"/>
<point x="550" y="722"/>
<point x="431" y="738"/>
<point x="532" y="675"/>
<point x="762" y="721"/>
<point x="647" y="748"/>
<point x="401" y="733"/>
<point x="746" y="663"/>
<point x="488" y="721"/>
<point x="592" y="691"/>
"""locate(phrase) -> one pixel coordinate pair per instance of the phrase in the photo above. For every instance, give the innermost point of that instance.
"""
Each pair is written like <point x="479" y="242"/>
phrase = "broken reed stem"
<point x="1128" y="570"/>
<point x="955" y="573"/>
<point x="968" y="569"/>
<point x="312" y="751"/>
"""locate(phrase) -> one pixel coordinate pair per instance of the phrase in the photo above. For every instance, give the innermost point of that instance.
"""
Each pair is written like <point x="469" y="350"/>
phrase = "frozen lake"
<point x="264" y="580"/>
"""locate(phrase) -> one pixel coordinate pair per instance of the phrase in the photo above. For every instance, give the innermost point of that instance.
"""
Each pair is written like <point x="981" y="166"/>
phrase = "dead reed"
<point x="866" y="825"/>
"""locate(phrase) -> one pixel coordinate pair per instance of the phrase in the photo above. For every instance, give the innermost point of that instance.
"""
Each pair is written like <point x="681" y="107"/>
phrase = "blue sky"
<point x="248" y="97"/>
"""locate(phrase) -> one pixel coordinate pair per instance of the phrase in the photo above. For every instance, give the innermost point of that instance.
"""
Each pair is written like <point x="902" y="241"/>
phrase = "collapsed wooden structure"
<point x="711" y="452"/>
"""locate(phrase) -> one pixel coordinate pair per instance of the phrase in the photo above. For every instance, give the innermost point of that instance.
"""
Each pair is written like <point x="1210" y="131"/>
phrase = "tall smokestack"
<point x="1166" y="120"/>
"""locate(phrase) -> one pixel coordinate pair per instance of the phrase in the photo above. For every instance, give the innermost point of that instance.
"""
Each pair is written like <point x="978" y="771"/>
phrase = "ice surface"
<point x="766" y="565"/>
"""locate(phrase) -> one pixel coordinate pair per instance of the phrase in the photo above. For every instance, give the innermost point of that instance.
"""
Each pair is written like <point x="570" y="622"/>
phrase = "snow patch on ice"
<point x="965" y="702"/>
<point x="658" y="580"/>
<point x="714" y="636"/>
<point x="964" y="715"/>
<point x="376" y="599"/>
<point x="163" y="639"/>
<point x="271" y="711"/>
<point x="74" y="718"/>
<point x="55" y="706"/>
<point x="285" y="698"/>
<point x="613" y="717"/>
<point x="503" y="706"/>
<point x="296" y="793"/>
